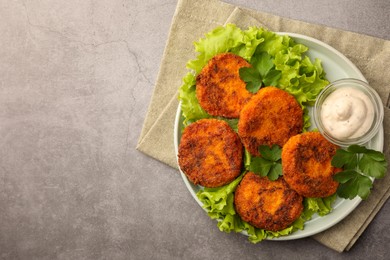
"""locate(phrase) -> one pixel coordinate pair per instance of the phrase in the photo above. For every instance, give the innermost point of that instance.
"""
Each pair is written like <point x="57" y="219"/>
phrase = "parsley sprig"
<point x="269" y="164"/>
<point x="262" y="73"/>
<point x="361" y="166"/>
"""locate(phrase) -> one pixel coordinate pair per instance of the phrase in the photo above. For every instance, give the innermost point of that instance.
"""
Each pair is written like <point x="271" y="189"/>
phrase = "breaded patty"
<point x="270" y="205"/>
<point x="271" y="117"/>
<point x="306" y="163"/>
<point x="219" y="88"/>
<point x="210" y="153"/>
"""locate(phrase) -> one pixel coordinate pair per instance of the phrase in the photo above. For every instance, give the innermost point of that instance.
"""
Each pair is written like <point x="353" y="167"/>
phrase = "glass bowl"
<point x="342" y="109"/>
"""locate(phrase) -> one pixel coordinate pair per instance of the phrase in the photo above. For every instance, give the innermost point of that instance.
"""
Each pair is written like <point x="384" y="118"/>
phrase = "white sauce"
<point x="347" y="113"/>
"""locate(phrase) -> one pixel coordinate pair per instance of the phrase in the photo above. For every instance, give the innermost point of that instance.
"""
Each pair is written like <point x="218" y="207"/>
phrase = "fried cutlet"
<point x="210" y="153"/>
<point x="219" y="88"/>
<point x="265" y="204"/>
<point x="306" y="163"/>
<point x="271" y="117"/>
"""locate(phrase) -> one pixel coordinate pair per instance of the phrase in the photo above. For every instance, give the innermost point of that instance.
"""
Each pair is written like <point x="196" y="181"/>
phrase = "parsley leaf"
<point x="372" y="167"/>
<point x="263" y="63"/>
<point x="353" y="184"/>
<point x="345" y="159"/>
<point x="359" y="165"/>
<point x="252" y="78"/>
<point x="275" y="172"/>
<point x="272" y="78"/>
<point x="272" y="154"/>
<point x="262" y="73"/>
<point x="269" y="164"/>
<point x="260" y="166"/>
<point x="357" y="149"/>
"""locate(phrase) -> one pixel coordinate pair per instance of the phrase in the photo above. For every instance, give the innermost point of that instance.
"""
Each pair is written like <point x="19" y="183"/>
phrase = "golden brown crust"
<point x="271" y="117"/>
<point x="306" y="163"/>
<point x="219" y="88"/>
<point x="210" y="153"/>
<point x="270" y="205"/>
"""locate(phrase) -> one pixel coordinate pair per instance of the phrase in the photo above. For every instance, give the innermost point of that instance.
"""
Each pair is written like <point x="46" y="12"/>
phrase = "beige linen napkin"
<point x="193" y="19"/>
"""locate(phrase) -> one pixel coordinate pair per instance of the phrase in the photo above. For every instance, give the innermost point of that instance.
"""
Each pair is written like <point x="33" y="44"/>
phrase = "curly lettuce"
<point x="321" y="206"/>
<point x="190" y="107"/>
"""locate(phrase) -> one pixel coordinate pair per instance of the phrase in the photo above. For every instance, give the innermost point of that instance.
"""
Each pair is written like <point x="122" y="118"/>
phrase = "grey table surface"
<point x="76" y="78"/>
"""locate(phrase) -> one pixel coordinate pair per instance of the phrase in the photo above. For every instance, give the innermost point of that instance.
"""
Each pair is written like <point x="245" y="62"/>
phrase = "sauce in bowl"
<point x="348" y="111"/>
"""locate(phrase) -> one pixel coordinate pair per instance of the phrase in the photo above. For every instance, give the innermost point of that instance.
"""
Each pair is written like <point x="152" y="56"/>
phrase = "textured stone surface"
<point x="76" y="78"/>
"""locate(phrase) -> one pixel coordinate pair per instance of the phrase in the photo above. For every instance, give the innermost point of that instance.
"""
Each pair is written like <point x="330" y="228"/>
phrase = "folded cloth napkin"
<point x="193" y="19"/>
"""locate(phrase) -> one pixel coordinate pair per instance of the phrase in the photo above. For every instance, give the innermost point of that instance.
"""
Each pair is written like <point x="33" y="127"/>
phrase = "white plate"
<point x="336" y="66"/>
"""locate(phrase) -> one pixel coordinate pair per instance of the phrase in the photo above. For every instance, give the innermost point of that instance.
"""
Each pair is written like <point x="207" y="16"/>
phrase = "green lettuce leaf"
<point x="218" y="202"/>
<point x="300" y="77"/>
<point x="321" y="206"/>
<point x="190" y="106"/>
<point x="221" y="39"/>
<point x="250" y="41"/>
